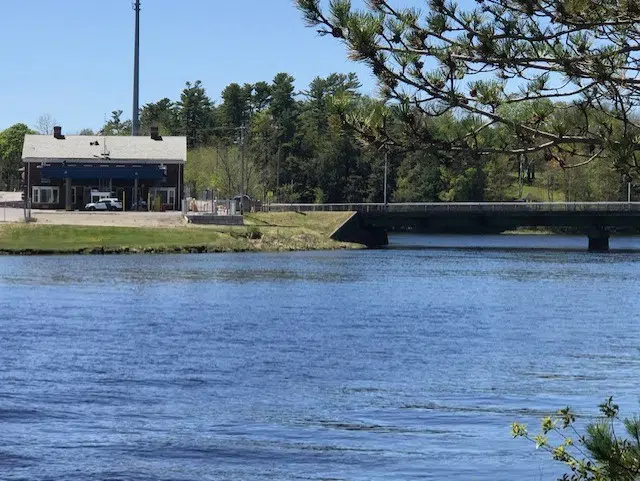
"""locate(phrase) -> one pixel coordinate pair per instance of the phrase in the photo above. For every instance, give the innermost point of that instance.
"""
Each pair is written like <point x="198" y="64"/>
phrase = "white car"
<point x="104" y="204"/>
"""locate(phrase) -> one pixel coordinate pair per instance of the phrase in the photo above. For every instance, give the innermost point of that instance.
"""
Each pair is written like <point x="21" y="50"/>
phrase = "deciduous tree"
<point x="45" y="123"/>
<point x="11" y="142"/>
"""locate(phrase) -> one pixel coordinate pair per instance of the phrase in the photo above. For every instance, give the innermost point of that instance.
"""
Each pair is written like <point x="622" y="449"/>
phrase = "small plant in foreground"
<point x="601" y="454"/>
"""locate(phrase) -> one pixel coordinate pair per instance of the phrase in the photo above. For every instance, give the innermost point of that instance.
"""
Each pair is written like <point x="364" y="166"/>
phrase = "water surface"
<point x="398" y="364"/>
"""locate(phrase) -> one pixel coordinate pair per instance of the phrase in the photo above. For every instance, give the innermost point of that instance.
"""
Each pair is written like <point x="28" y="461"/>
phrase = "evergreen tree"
<point x="163" y="114"/>
<point x="194" y="112"/>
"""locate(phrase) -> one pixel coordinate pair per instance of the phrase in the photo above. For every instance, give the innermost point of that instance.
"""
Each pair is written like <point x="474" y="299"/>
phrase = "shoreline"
<point x="159" y="251"/>
<point x="262" y="232"/>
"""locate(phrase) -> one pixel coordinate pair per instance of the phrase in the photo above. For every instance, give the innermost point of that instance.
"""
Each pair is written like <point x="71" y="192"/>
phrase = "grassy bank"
<point x="266" y="232"/>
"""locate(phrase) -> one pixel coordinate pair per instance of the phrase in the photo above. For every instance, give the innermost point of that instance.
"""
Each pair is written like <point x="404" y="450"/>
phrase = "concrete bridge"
<point x="371" y="222"/>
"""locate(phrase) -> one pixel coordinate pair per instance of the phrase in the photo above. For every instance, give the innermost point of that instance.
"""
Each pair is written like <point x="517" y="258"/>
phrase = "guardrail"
<point x="461" y="207"/>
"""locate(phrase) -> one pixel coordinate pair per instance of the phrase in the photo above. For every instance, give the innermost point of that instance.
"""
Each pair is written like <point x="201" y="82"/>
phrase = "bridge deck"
<point x="371" y="221"/>
<point x="466" y="207"/>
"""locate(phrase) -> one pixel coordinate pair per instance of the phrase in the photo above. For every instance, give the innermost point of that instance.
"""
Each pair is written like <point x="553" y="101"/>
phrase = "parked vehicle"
<point x="247" y="203"/>
<point x="104" y="204"/>
<point x="245" y="197"/>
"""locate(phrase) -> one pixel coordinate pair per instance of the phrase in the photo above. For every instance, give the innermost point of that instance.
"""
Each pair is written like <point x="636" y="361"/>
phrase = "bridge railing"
<point x="461" y="207"/>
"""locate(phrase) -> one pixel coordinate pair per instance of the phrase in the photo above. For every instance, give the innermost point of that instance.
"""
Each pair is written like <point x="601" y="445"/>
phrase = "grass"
<point x="264" y="232"/>
<point x="322" y="222"/>
<point x="541" y="194"/>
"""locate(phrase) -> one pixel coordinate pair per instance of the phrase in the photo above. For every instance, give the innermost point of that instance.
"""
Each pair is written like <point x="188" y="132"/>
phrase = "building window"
<point x="167" y="195"/>
<point x="45" y="195"/>
<point x="74" y="195"/>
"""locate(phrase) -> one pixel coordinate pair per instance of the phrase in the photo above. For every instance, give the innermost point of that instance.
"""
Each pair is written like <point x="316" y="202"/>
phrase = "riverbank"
<point x="264" y="232"/>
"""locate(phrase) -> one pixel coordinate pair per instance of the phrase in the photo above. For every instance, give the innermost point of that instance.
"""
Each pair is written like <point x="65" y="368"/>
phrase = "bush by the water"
<point x="252" y="233"/>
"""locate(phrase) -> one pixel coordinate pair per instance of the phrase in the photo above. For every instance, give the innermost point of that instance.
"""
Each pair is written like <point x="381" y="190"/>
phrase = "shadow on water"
<point x="506" y="242"/>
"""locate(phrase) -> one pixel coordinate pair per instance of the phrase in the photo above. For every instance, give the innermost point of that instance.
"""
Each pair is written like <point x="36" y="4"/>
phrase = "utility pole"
<point x="135" y="123"/>
<point x="242" y="127"/>
<point x="278" y="172"/>
<point x="520" y="170"/>
<point x="386" y="166"/>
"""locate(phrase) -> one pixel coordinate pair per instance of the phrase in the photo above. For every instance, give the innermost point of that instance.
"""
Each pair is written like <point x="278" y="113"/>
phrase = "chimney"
<point x="57" y="133"/>
<point x="155" y="134"/>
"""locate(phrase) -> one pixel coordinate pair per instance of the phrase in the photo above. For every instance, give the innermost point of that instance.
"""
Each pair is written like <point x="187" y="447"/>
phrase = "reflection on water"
<point x="401" y="363"/>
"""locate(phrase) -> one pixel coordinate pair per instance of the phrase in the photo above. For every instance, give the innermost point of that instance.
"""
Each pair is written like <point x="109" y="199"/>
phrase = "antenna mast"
<point x="135" y="123"/>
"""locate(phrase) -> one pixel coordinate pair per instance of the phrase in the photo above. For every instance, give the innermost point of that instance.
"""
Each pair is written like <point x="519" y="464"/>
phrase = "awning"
<point x="80" y="172"/>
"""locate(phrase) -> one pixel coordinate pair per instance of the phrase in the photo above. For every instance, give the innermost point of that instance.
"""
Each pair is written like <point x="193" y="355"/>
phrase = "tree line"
<point x="279" y="144"/>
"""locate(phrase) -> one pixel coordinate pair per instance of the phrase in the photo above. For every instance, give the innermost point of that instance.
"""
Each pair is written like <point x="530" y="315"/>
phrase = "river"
<point x="398" y="364"/>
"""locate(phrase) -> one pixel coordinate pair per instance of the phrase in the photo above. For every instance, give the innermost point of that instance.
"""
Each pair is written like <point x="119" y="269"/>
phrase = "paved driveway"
<point x="9" y="214"/>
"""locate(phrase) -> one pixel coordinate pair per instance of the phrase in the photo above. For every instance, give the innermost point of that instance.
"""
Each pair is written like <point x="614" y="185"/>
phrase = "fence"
<point x="216" y="207"/>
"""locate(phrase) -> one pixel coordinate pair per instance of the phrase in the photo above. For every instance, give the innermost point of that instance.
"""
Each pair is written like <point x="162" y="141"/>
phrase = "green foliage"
<point x="11" y="141"/>
<point x="499" y="180"/>
<point x="513" y="77"/>
<point x="253" y="233"/>
<point x="195" y="114"/>
<point x="328" y="142"/>
<point x="115" y="126"/>
<point x="164" y="114"/>
<point x="235" y="109"/>
<point x="420" y="179"/>
<point x="465" y="185"/>
<point x="201" y="170"/>
<point x="218" y="168"/>
<point x="601" y="454"/>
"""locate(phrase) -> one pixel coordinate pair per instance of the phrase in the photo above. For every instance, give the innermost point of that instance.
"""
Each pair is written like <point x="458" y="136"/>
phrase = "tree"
<point x="283" y="105"/>
<point x="202" y="170"/>
<point x="235" y="110"/>
<point x="115" y="126"/>
<point x="477" y="61"/>
<point x="601" y="454"/>
<point x="45" y="123"/>
<point x="86" y="132"/>
<point x="261" y="96"/>
<point x="499" y="181"/>
<point x="218" y="168"/>
<point x="162" y="114"/>
<point x="11" y="142"/>
<point x="195" y="114"/>
<point x="419" y="179"/>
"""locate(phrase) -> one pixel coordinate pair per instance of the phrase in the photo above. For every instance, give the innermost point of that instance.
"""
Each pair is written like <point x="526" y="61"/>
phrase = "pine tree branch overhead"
<point x="525" y="68"/>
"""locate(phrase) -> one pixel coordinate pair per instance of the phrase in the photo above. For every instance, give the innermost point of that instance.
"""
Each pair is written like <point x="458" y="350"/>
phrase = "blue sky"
<point x="74" y="58"/>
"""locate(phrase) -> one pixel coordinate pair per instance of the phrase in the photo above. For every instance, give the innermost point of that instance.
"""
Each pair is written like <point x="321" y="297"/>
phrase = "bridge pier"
<point x="598" y="241"/>
<point x="354" y="230"/>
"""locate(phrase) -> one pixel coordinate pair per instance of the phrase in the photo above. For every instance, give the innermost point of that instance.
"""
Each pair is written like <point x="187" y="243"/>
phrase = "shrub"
<point x="601" y="454"/>
<point x="254" y="233"/>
